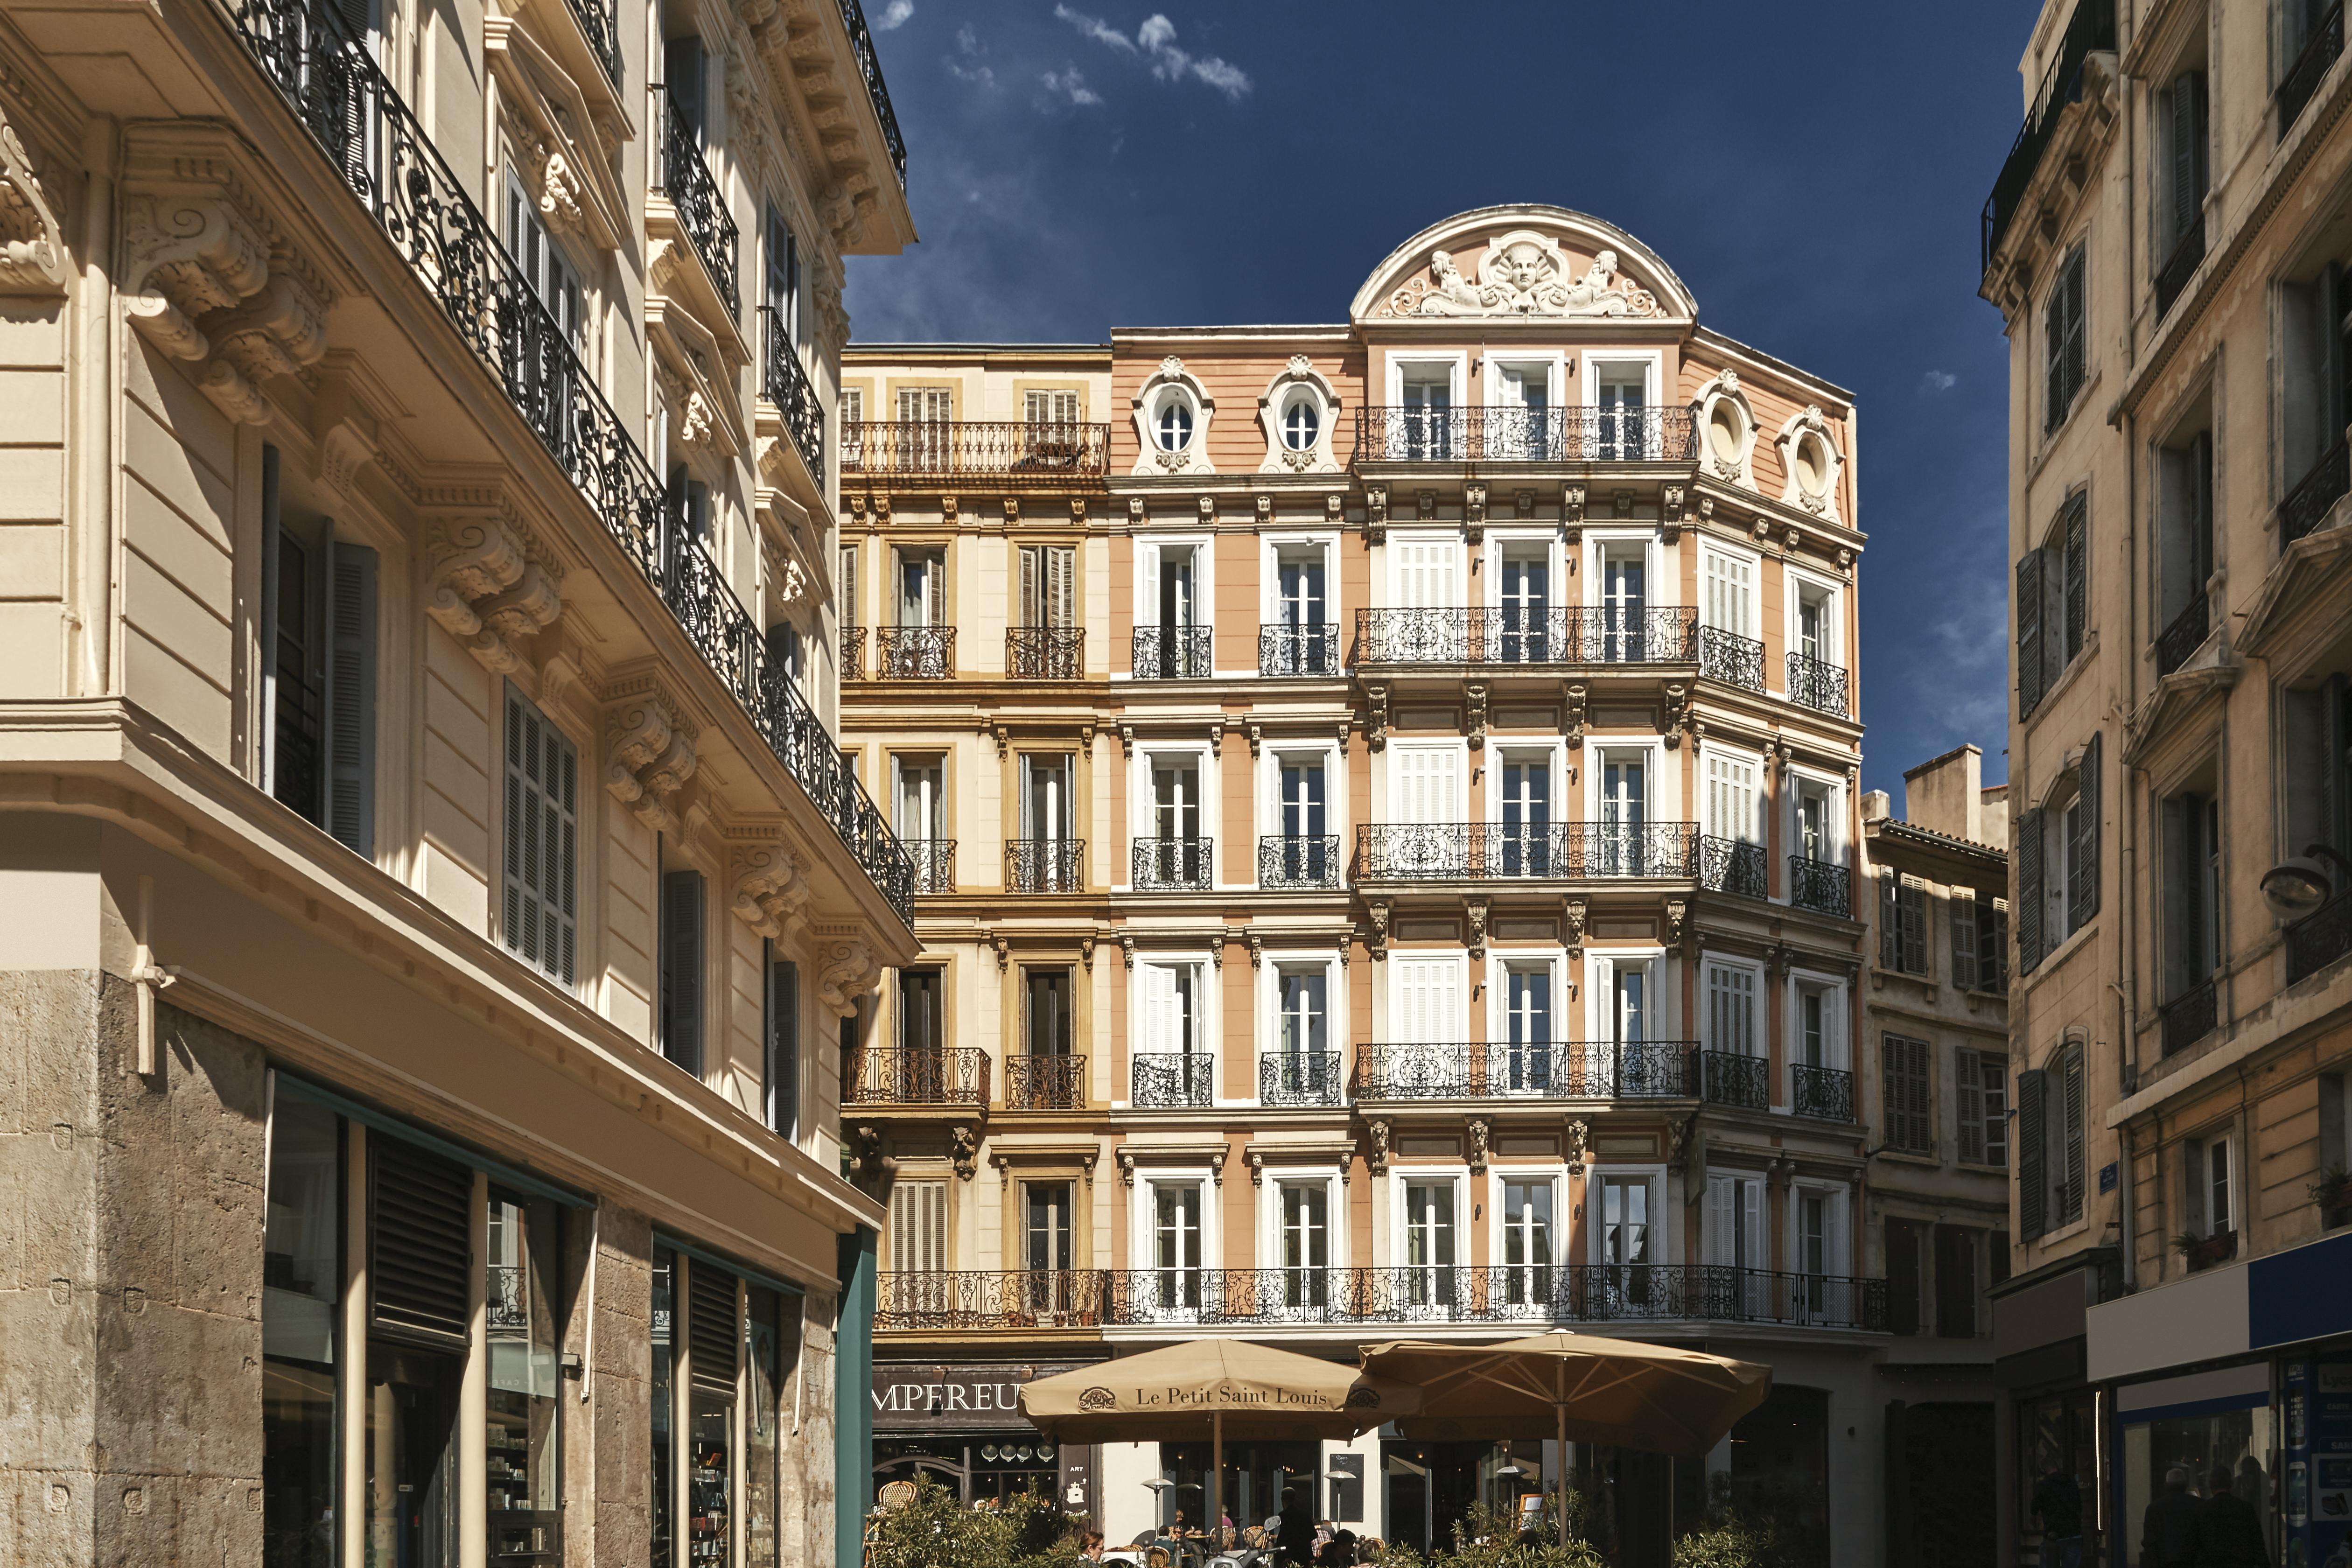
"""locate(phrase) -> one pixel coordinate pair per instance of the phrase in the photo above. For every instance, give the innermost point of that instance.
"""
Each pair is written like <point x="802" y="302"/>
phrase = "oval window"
<point x="1812" y="465"/>
<point x="1175" y="425"/>
<point x="1301" y="425"/>
<point x="1723" y="429"/>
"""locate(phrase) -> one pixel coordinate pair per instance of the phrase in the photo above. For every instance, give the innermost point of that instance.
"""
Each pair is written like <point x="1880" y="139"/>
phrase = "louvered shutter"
<point x="681" y="968"/>
<point x="2188" y="130"/>
<point x="1728" y="595"/>
<point x="1890" y="920"/>
<point x="1061" y="586"/>
<point x="541" y="840"/>
<point x="351" y="698"/>
<point x="919" y="1228"/>
<point x="2032" y="1194"/>
<point x="712" y="1321"/>
<point x="1904" y="1066"/>
<point x="2201" y="521"/>
<point x="2027" y="842"/>
<point x="420" y="1244"/>
<point x="2030" y="685"/>
<point x="2335" y="775"/>
<point x="1032" y="568"/>
<point x="848" y="601"/>
<point x="1993" y="946"/>
<point x="1718" y="1235"/>
<point x="2072" y="1204"/>
<point x="2057" y="653"/>
<point x="1962" y="912"/>
<point x="1912" y="905"/>
<point x="785" y="1047"/>
<point x="1970" y="1085"/>
<point x="2082" y="855"/>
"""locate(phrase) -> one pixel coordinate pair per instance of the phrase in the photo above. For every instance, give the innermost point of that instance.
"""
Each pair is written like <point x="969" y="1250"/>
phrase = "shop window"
<point x="1346" y="1476"/>
<point x="712" y="1346"/>
<point x="2057" y="1451"/>
<point x="771" y="1352"/>
<point x="523" y="1486"/>
<point x="2172" y="1465"/>
<point x="1779" y="1466"/>
<point x="301" y="1291"/>
<point x="420" y="1225"/>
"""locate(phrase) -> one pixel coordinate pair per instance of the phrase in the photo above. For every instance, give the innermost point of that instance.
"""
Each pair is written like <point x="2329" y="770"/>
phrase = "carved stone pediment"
<point x="1524" y="273"/>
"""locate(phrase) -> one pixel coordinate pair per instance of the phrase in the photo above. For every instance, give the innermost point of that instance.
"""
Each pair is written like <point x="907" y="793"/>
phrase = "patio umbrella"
<point x="1619" y="1392"/>
<point x="1177" y="1391"/>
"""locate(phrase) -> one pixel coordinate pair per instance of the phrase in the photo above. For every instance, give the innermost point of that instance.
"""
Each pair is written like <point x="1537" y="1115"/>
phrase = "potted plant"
<point x="2204" y="1251"/>
<point x="2333" y="1193"/>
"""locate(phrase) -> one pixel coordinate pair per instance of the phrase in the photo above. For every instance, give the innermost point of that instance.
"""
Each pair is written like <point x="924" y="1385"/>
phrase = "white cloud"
<point x="969" y="68"/>
<point x="1070" y="85"/>
<point x="1156" y="41"/>
<point x="1097" y="30"/>
<point x="895" y="15"/>
<point x="1938" y="381"/>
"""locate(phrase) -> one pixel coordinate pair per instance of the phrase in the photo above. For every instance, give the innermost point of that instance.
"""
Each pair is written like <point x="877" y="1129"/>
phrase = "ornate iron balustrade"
<point x="1162" y="1082"/>
<point x="1730" y="658"/>
<point x="1311" y="650"/>
<point x="1172" y="653"/>
<point x="1488" y="851"/>
<point x="934" y="861"/>
<point x="2091" y="28"/>
<point x="2310" y="67"/>
<point x="701" y="210"/>
<point x="1825" y="1094"/>
<point x="1310" y="862"/>
<point x="861" y="44"/>
<point x="853" y="653"/>
<point x="2180" y="266"/>
<point x="1819" y="886"/>
<point x="918" y="1075"/>
<point x="783" y="382"/>
<point x="1515" y="634"/>
<point x="2307" y="506"/>
<point x="375" y="146"/>
<point x="1818" y="684"/>
<point x="914" y="653"/>
<point x="1173" y="865"/>
<point x="1300" y="1077"/>
<point x="1046" y="653"/>
<point x="1044" y="1083"/>
<point x="2189" y="1017"/>
<point x="1726" y="1078"/>
<point x="601" y="24"/>
<point x="1045" y="865"/>
<point x="1502" y="1070"/>
<point x="2319" y="939"/>
<point x="2183" y="636"/>
<point x="948" y="1301"/>
<point x="1055" y="454"/>
<point x="1570" y="435"/>
<point x="1728" y="866"/>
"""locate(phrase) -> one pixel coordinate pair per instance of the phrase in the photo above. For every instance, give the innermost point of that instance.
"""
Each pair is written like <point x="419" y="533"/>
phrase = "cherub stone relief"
<point x="1523" y="274"/>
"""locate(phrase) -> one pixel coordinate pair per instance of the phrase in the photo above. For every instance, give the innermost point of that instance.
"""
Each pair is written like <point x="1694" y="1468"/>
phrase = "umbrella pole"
<point x="1561" y="1475"/>
<point x="1216" y="1520"/>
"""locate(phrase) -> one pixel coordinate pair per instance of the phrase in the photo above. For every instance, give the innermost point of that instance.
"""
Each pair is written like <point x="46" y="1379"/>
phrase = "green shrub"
<point x="1733" y="1540"/>
<point x="937" y="1531"/>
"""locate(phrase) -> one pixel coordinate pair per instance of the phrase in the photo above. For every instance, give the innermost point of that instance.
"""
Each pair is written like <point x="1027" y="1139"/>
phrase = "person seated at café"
<point x="1090" y="1546"/>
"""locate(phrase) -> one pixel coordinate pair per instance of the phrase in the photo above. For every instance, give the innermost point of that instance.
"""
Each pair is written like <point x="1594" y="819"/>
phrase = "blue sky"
<point x="1813" y="172"/>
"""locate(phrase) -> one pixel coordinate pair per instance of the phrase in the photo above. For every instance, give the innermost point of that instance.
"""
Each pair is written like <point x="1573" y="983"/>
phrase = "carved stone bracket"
<point x="1474" y="513"/>
<point x="1677" y="920"/>
<point x="1679" y="1147"/>
<point x="1376" y="940"/>
<point x="648" y="757"/>
<point x="1126" y="1166"/>
<point x="1376" y="1157"/>
<point x="1003" y="950"/>
<point x="1670" y="526"/>
<point x="771" y="889"/>
<point x="1126" y="947"/>
<point x="1424" y="504"/>
<point x="1376" y="718"/>
<point x="1572" y="512"/>
<point x="1678" y="713"/>
<point x="1479" y="1132"/>
<point x="1256" y="950"/>
<point x="849" y="971"/>
<point x="1478" y="909"/>
<point x="869" y="1168"/>
<point x="1476" y="691"/>
<point x="1575" y="1136"/>
<point x="963" y="1150"/>
<point x="1087" y="950"/>
<point x="491" y="588"/>
<point x="33" y="258"/>
<point x="1573" y="914"/>
<point x="1523" y="503"/>
<point x="1575" y="695"/>
<point x="1376" y="514"/>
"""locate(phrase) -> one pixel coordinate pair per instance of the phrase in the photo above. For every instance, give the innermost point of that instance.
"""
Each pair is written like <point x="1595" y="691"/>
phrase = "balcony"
<point x="853" y="653"/>
<point x="599" y="23"/>
<point x="1312" y="649"/>
<point x="1300" y="1077"/>
<point x="1820" y="887"/>
<point x="861" y="43"/>
<point x="1462" y="437"/>
<point x="375" y="146"/>
<point x="701" y="210"/>
<point x="784" y="383"/>
<point x="1298" y="863"/>
<point x="1818" y="684"/>
<point x="1727" y="1078"/>
<point x="2180" y="266"/>
<point x="1165" y="1081"/>
<point x="1172" y="653"/>
<point x="1045" y="865"/>
<point x="1513" y="634"/>
<point x="918" y="1076"/>
<point x="1502" y="1070"/>
<point x="1046" y="653"/>
<point x="963" y="1300"/>
<point x="1494" y="851"/>
<point x="2091" y="28"/>
<point x="2311" y="67"/>
<point x="914" y="653"/>
<point x="2184" y="636"/>
<point x="2189" y="1017"/>
<point x="1825" y="1094"/>
<point x="1173" y="865"/>
<point x="2307" y="506"/>
<point x="1051" y="455"/>
<point x="934" y="861"/>
<point x="1044" y="1083"/>
<point x="1733" y="659"/>
<point x="2318" y="939"/>
<point x="1728" y="866"/>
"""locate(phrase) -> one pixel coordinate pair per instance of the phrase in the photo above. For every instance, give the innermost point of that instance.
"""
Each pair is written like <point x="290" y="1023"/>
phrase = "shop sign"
<point x="929" y="1396"/>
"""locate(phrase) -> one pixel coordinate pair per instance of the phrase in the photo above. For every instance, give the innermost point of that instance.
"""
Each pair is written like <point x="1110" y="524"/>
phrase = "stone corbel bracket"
<point x="850" y="970"/>
<point x="771" y="889"/>
<point x="33" y="258"/>
<point x="492" y="588"/>
<point x="648" y="757"/>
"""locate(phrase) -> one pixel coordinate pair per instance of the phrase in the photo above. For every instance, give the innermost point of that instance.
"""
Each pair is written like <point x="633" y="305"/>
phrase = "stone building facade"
<point x="431" y="886"/>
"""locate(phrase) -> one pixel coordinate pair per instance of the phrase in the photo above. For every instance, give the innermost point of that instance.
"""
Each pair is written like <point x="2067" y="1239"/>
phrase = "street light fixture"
<point x="2296" y="887"/>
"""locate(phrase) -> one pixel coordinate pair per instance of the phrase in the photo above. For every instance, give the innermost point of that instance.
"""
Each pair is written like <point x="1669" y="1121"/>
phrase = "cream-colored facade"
<point x="431" y="884"/>
<point x="2167" y="248"/>
<point x="1385" y="800"/>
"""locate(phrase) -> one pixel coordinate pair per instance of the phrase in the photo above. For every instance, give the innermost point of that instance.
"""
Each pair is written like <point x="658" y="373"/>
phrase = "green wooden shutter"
<point x="1969" y="1079"/>
<point x="1911" y="902"/>
<point x="2071" y="1203"/>
<point x="351" y="698"/>
<point x="2030" y="685"/>
<point x="1890" y="921"/>
<point x="2032" y="1209"/>
<point x="2057" y="654"/>
<point x="681" y="968"/>
<point x="1962" y="912"/>
<point x="2026" y="843"/>
<point x="2082" y="855"/>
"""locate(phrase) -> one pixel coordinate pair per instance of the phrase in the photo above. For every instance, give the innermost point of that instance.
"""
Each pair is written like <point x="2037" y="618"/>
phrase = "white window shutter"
<point x="1751" y="1197"/>
<point x="1717" y="1232"/>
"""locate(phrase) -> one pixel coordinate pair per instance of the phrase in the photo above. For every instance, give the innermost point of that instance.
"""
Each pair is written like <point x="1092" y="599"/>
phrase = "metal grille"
<point x="1173" y="865"/>
<point x="2318" y="939"/>
<point x="1568" y="435"/>
<point x="1820" y="887"/>
<point x="1726" y="1078"/>
<point x="1816" y="685"/>
<point x="783" y="382"/>
<point x="2303" y="78"/>
<point x="2184" y="636"/>
<point x="1730" y="658"/>
<point x="2307" y="506"/>
<point x="1044" y="1083"/>
<point x="1483" y="851"/>
<point x="2189" y="1018"/>
<point x="920" y="1074"/>
<point x="1510" y="635"/>
<point x="914" y="653"/>
<point x="1299" y="1077"/>
<point x="1728" y="866"/>
<point x="1181" y="1078"/>
<point x="1045" y="865"/>
<point x="701" y="210"/>
<point x="1047" y="454"/>
<point x="1499" y="1069"/>
<point x="1299" y="650"/>
<point x="861" y="44"/>
<point x="941" y="1300"/>
<point x="934" y="861"/>
<point x="1825" y="1094"/>
<point x="1172" y="653"/>
<point x="1046" y="653"/>
<point x="420" y="1243"/>
<point x="1305" y="862"/>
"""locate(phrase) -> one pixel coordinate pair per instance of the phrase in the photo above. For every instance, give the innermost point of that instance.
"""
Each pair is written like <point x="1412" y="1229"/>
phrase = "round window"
<point x="1301" y="425"/>
<point x="1812" y="465"/>
<point x="1175" y="430"/>
<point x="1723" y="429"/>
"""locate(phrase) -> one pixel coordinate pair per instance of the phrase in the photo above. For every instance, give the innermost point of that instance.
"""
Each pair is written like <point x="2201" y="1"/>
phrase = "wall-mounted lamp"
<point x="2294" y="888"/>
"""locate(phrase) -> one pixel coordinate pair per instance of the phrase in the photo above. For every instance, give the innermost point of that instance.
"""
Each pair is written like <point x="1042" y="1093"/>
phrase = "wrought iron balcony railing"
<point x="2319" y="939"/>
<point x="952" y="1301"/>
<point x="853" y="653"/>
<point x="1818" y="684"/>
<point x="934" y="861"/>
<point x="600" y="24"/>
<point x="1730" y="658"/>
<point x="686" y="180"/>
<point x="1034" y="1082"/>
<point x="918" y="1075"/>
<point x="861" y="43"/>
<point x="1166" y="1080"/>
<point x="1045" y="865"/>
<point x="375" y="146"/>
<point x="2189" y="1017"/>
<point x="2307" y="506"/>
<point x="1300" y="1077"/>
<point x="2303" y="77"/>
<point x="1173" y="865"/>
<point x="2179" y="268"/>
<point x="1310" y="862"/>
<point x="2183" y="636"/>
<point x="1819" y="886"/>
<point x="1728" y="866"/>
<point x="1312" y="649"/>
<point x="1517" y="634"/>
<point x="2091" y="28"/>
<point x="1505" y="1070"/>
<point x="1173" y="653"/>
<point x="1488" y="851"/>
<point x="1825" y="1094"/>
<point x="1046" y="653"/>
<point x="1727" y="1077"/>
<point x="783" y="382"/>
<point x="1575" y="434"/>
<point x="1055" y="454"/>
<point x="914" y="653"/>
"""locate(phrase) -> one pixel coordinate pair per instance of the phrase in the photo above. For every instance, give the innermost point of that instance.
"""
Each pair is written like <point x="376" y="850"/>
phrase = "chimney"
<point x="1874" y="805"/>
<point x="1945" y="794"/>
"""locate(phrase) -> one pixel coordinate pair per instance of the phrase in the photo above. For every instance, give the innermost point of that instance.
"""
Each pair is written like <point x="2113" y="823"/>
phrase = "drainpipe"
<point x="2128" y="795"/>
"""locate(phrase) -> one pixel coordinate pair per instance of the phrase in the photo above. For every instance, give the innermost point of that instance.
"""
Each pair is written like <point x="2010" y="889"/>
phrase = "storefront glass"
<point x="662" y="1497"/>
<point x="2058" y="1488"/>
<point x="762" y="1354"/>
<point x="2170" y="1468"/>
<point x="710" y="1456"/>
<point x="1780" y="1464"/>
<point x="522" y="1485"/>
<point x="1258" y="1476"/>
<point x="301" y="1280"/>
<point x="412" y="1473"/>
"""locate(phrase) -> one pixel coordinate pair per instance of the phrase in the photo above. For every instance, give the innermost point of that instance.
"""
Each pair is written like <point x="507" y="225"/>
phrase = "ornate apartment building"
<point x="2168" y="246"/>
<point x="427" y="860"/>
<point x="1384" y="803"/>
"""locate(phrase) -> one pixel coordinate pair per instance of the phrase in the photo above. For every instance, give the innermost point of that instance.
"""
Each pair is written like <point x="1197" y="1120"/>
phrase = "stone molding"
<point x="491" y="587"/>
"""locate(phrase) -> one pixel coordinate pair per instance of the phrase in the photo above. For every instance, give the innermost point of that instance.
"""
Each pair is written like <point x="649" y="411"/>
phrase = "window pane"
<point x="524" y="1489"/>
<point x="301" y="1278"/>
